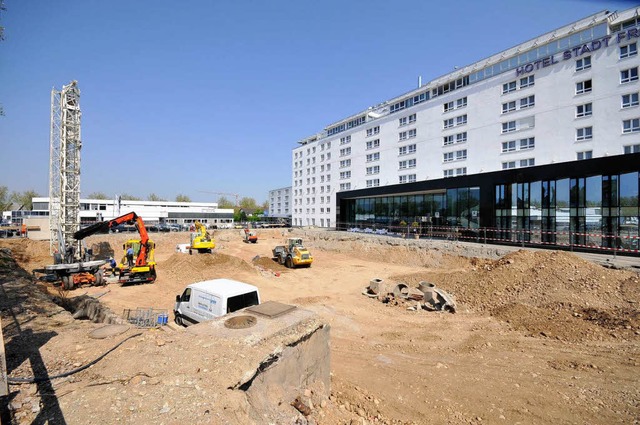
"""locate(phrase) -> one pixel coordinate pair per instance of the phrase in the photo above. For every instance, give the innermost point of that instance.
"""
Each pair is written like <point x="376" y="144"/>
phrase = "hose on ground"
<point x="35" y="379"/>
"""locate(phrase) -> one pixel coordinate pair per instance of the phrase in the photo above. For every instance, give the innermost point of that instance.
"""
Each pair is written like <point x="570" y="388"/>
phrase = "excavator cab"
<point x="135" y="244"/>
<point x="201" y="240"/>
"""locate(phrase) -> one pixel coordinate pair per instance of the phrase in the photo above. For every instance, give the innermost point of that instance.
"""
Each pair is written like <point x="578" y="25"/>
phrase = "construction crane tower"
<point x="235" y="195"/>
<point x="64" y="168"/>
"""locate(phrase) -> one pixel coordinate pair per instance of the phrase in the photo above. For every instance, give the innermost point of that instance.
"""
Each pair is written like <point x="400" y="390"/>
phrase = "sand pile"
<point x="197" y="267"/>
<point x="549" y="293"/>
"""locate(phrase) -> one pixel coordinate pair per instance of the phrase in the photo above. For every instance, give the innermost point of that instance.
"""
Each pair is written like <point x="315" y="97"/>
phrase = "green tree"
<point x="98" y="195"/>
<point x="127" y="197"/>
<point x="154" y="197"/>
<point x="5" y="199"/>
<point x="182" y="198"/>
<point x="224" y="203"/>
<point x="248" y="203"/>
<point x="24" y="199"/>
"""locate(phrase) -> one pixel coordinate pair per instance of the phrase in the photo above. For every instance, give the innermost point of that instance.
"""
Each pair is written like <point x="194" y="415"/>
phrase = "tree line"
<point x="23" y="200"/>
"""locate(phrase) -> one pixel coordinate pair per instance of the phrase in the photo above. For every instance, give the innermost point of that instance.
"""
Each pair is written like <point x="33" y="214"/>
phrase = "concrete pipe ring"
<point x="400" y="290"/>
<point x="367" y="292"/>
<point x="429" y="290"/>
<point x="374" y="286"/>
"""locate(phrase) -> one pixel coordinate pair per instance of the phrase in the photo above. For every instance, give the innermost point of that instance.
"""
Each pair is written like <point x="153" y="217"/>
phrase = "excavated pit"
<point x="88" y="308"/>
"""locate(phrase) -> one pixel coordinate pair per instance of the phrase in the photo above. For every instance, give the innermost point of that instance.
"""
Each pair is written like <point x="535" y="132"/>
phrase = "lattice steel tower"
<point x="64" y="167"/>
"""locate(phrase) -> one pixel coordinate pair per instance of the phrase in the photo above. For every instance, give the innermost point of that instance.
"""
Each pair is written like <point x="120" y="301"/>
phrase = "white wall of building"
<point x="545" y="132"/>
<point x="150" y="211"/>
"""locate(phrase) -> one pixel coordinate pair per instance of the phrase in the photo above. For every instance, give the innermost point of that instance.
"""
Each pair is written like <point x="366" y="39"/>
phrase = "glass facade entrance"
<point x="595" y="211"/>
<point x="451" y="207"/>
<point x="586" y="205"/>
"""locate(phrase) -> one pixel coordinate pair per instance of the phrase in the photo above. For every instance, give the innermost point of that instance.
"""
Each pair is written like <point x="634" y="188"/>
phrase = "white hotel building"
<point x="547" y="129"/>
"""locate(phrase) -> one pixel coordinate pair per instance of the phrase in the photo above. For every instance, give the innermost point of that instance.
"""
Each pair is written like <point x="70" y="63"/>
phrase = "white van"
<point x="213" y="298"/>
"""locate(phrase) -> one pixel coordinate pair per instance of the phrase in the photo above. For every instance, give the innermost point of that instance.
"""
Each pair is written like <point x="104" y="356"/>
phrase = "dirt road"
<point x="539" y="337"/>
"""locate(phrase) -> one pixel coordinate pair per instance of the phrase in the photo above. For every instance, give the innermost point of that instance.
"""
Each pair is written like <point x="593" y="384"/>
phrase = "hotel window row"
<point x="519" y="145"/>
<point x="455" y="138"/>
<point x="407" y="120"/>
<point x="525" y="82"/>
<point x="525" y="102"/>
<point x="530" y="162"/>
<point x="454" y="122"/>
<point x="455" y="104"/>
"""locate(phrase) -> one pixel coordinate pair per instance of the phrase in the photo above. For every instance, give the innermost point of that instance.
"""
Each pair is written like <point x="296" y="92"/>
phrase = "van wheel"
<point x="179" y="320"/>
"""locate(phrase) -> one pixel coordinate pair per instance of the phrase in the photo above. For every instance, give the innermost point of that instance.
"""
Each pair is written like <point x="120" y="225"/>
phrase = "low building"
<point x="152" y="212"/>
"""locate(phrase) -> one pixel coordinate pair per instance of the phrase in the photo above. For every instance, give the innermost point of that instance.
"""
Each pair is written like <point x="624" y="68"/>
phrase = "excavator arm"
<point x="202" y="231"/>
<point x="104" y="226"/>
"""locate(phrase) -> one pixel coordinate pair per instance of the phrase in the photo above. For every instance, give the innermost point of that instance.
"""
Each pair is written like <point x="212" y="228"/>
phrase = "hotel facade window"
<point x="372" y="144"/>
<point x="583" y="87"/>
<point x="629" y="100"/>
<point x="585" y="155"/>
<point x="583" y="63"/>
<point x="584" y="110"/>
<point x="629" y="50"/>
<point x="629" y="75"/>
<point x="585" y="133"/>
<point x="631" y="126"/>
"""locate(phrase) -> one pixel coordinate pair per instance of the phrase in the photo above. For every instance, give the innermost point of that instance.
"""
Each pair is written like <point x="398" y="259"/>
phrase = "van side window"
<point x="241" y="301"/>
<point x="186" y="295"/>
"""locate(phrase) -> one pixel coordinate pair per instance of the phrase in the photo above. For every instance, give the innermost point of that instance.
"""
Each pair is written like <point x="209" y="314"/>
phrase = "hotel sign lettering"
<point x="578" y="51"/>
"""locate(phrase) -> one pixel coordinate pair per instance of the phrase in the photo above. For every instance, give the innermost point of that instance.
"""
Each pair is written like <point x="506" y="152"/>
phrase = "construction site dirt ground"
<point x="538" y="336"/>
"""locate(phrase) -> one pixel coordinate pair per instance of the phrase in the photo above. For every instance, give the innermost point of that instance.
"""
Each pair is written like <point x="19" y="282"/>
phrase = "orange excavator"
<point x="144" y="268"/>
<point x="250" y="236"/>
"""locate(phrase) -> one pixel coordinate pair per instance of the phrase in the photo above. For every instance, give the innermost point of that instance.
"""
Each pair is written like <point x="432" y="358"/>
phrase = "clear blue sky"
<point x="180" y="97"/>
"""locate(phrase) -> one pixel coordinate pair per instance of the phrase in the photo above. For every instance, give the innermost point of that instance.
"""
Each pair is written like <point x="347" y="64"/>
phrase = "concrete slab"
<point x="271" y="309"/>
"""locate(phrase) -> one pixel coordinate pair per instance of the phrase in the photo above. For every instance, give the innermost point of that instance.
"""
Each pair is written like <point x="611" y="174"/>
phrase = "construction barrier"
<point x="595" y="242"/>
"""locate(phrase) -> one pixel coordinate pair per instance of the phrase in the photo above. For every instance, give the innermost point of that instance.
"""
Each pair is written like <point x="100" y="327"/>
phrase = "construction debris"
<point x="429" y="297"/>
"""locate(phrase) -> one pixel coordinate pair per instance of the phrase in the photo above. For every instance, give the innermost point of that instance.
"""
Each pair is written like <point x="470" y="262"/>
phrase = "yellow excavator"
<point x="201" y="240"/>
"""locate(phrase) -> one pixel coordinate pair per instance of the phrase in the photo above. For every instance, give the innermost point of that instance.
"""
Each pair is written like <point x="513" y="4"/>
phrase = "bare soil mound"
<point x="27" y="253"/>
<point x="546" y="293"/>
<point x="269" y="263"/>
<point x="373" y="250"/>
<point x="193" y="268"/>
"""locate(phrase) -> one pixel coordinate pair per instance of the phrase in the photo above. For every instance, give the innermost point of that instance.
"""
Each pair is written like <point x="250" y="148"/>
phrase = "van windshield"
<point x="241" y="301"/>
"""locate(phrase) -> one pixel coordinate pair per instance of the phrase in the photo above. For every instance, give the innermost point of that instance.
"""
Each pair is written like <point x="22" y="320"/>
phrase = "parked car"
<point x="175" y="227"/>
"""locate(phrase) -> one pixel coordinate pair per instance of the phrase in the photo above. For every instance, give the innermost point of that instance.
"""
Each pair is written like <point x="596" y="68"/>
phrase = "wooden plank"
<point x="4" y="387"/>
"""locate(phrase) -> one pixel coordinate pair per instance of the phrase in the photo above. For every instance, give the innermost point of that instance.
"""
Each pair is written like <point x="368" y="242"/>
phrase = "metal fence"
<point x="623" y="242"/>
<point x="146" y="317"/>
